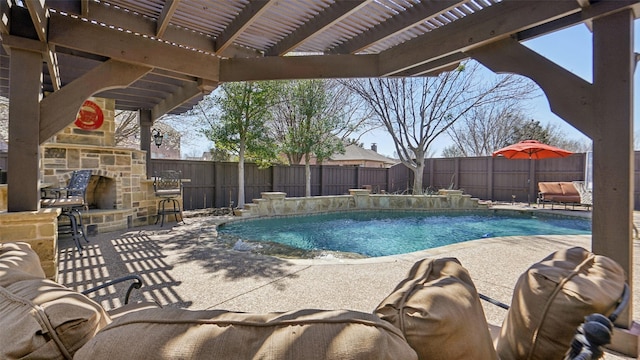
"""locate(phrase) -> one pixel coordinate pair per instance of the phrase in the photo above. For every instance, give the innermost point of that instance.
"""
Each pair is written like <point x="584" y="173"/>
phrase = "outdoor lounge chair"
<point x="71" y="199"/>
<point x="435" y="312"/>
<point x="558" y="192"/>
<point x="586" y="197"/>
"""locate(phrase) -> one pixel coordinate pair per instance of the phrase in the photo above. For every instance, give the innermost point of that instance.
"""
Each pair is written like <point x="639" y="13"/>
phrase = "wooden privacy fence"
<point x="499" y="179"/>
<point x="215" y="184"/>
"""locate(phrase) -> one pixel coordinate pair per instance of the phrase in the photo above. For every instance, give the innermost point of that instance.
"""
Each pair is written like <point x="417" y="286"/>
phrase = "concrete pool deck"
<point x="183" y="266"/>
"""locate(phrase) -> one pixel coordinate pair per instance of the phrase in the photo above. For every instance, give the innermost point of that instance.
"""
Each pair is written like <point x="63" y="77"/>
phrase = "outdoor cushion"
<point x="552" y="298"/>
<point x="18" y="262"/>
<point x="438" y="310"/>
<point x="559" y="191"/>
<point x="568" y="189"/>
<point x="215" y="334"/>
<point x="44" y="320"/>
<point x="550" y="188"/>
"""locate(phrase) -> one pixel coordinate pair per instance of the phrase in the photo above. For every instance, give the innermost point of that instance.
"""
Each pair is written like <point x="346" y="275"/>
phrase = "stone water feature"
<point x="276" y="203"/>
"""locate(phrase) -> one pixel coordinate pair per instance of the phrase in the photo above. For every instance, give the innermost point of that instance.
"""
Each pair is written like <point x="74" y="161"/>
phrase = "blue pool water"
<point x="381" y="233"/>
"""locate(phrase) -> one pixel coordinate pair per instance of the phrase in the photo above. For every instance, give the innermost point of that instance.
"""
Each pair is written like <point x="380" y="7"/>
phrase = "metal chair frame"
<point x="167" y="185"/>
<point x="71" y="199"/>
<point x="591" y="335"/>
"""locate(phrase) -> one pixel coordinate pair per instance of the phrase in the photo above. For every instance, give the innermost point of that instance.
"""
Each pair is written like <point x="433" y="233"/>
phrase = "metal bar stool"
<point x="167" y="185"/>
<point x="70" y="199"/>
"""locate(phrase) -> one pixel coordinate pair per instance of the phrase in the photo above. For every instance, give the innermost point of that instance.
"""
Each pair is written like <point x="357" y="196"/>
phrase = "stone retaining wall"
<point x="39" y="229"/>
<point x="276" y="203"/>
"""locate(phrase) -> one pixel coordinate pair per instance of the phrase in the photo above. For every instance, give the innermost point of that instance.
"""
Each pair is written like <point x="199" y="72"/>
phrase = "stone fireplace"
<point x="102" y="192"/>
<point x="119" y="194"/>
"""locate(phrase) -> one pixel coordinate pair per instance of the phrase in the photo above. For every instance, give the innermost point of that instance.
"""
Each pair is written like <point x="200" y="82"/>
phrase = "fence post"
<point x="490" y="177"/>
<point x="274" y="178"/>
<point x="217" y="185"/>
<point x="431" y="170"/>
<point x="323" y="190"/>
<point x="456" y="172"/>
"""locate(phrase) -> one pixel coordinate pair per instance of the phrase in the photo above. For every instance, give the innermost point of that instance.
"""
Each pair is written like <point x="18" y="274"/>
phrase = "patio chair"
<point x="167" y="185"/>
<point x="592" y="335"/>
<point x="576" y="289"/>
<point x="586" y="197"/>
<point x="71" y="199"/>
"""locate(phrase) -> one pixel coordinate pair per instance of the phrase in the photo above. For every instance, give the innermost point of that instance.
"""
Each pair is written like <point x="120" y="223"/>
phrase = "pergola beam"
<point x="496" y="22"/>
<point x="574" y="106"/>
<point x="119" y="45"/>
<point x="298" y="67"/>
<point x="184" y="94"/>
<point x="415" y="15"/>
<point x="329" y="17"/>
<point x="40" y="19"/>
<point x="247" y="16"/>
<point x="435" y="67"/>
<point x="172" y="34"/>
<point x="168" y="10"/>
<point x="60" y="108"/>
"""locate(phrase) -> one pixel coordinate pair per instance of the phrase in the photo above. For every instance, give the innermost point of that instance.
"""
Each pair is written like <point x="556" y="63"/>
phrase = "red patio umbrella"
<point x="531" y="149"/>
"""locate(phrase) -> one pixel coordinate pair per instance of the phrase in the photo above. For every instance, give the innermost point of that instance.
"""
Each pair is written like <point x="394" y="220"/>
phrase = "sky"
<point x="570" y="48"/>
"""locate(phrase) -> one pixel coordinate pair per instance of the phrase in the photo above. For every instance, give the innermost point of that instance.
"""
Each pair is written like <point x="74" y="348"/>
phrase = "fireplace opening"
<point x="101" y="192"/>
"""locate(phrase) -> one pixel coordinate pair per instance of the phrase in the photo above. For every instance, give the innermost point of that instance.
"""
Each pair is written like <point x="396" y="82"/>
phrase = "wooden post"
<point x="24" y="121"/>
<point x="145" y="137"/>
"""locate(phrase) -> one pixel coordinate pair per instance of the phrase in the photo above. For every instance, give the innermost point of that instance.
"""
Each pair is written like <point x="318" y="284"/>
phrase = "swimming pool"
<point x="381" y="233"/>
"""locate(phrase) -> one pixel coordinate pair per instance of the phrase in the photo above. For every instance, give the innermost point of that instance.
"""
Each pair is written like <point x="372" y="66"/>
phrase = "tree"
<point x="127" y="134"/>
<point x="487" y="128"/>
<point x="415" y="111"/>
<point x="484" y="129"/>
<point x="550" y="134"/>
<point x="314" y="118"/>
<point x="219" y="155"/>
<point x="235" y="119"/>
<point x="558" y="138"/>
<point x="529" y="130"/>
<point x="127" y="129"/>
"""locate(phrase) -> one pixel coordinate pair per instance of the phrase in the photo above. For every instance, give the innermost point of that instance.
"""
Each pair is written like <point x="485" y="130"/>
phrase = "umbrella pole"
<point x="529" y="183"/>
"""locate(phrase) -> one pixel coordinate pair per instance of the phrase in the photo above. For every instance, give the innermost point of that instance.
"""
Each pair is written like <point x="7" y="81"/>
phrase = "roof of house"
<point x="355" y="152"/>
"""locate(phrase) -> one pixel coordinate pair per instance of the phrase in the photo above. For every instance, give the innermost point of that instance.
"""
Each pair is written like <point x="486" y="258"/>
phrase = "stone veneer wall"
<point x="132" y="191"/>
<point x="276" y="203"/>
<point x="132" y="201"/>
<point x="39" y="229"/>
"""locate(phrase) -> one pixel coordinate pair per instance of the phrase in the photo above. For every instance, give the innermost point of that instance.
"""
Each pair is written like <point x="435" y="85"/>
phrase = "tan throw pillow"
<point x="552" y="298"/>
<point x="44" y="320"/>
<point x="438" y="310"/>
<point x="18" y="262"/>
<point x="304" y="334"/>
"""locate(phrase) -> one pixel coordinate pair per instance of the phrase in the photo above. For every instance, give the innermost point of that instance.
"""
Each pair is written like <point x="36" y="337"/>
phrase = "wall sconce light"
<point x="157" y="137"/>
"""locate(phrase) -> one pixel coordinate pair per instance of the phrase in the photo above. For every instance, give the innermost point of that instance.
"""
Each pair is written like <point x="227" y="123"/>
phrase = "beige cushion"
<point x="552" y="298"/>
<point x="44" y="320"/>
<point x="18" y="262"/>
<point x="568" y="189"/>
<point x="550" y="188"/>
<point x="305" y="334"/>
<point x="439" y="312"/>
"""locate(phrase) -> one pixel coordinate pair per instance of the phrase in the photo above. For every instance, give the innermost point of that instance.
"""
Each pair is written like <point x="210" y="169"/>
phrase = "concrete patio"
<point x="185" y="266"/>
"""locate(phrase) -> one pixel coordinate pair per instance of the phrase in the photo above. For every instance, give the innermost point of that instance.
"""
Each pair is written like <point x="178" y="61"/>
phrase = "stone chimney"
<point x="374" y="147"/>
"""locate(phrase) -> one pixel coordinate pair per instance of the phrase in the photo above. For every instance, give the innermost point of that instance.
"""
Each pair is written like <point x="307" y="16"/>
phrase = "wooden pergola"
<point x="162" y="56"/>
